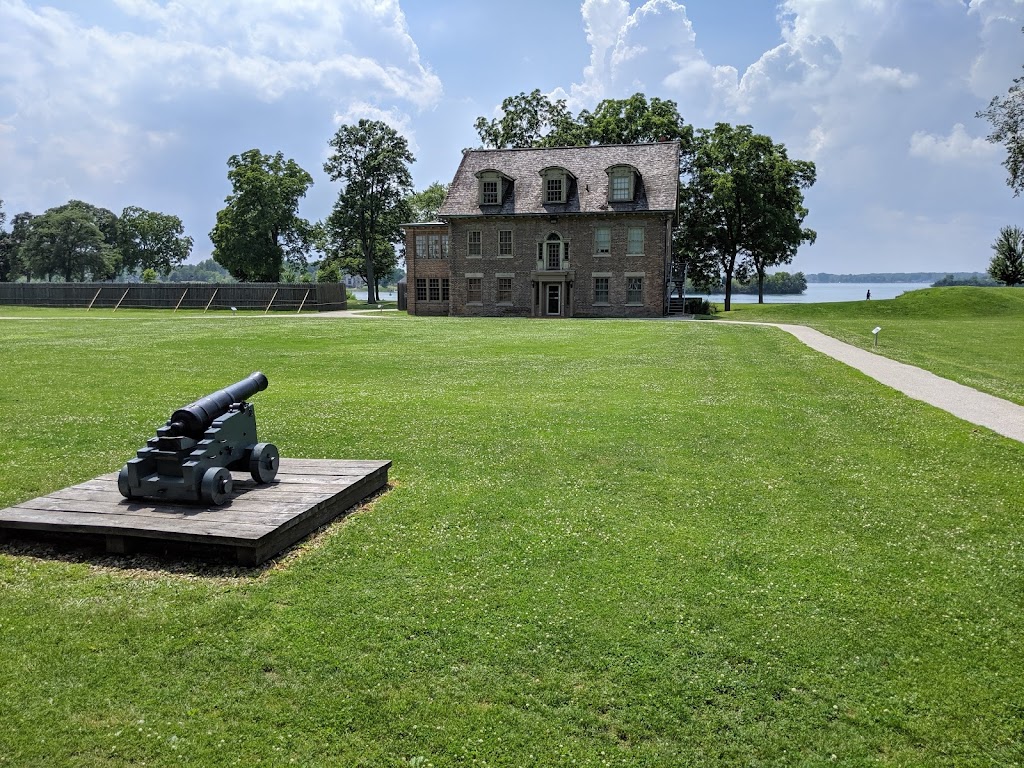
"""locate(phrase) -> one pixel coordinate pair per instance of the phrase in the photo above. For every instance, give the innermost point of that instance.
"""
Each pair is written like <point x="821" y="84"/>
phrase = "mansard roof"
<point x="657" y="184"/>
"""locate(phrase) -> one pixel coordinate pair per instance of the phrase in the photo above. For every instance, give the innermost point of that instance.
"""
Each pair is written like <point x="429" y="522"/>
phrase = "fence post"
<point x="121" y="299"/>
<point x="271" y="301"/>
<point x="211" y="299"/>
<point x="93" y="300"/>
<point x="181" y="300"/>
<point x="303" y="303"/>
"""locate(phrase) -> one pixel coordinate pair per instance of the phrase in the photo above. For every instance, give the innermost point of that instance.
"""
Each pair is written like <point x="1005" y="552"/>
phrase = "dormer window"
<point x="489" y="192"/>
<point x="621" y="183"/>
<point x="554" y="193"/>
<point x="492" y="187"/>
<point x="555" y="185"/>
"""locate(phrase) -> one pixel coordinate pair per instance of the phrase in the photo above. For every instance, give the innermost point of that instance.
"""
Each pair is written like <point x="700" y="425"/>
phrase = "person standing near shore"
<point x="869" y="294"/>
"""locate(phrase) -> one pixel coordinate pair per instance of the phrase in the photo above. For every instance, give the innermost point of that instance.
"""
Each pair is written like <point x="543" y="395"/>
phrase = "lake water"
<point x="387" y="295"/>
<point x="815" y="293"/>
<point x="825" y="292"/>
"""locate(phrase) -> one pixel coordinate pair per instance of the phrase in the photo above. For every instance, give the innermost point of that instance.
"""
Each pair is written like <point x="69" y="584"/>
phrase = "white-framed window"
<point x="491" y="186"/>
<point x="434" y="247"/>
<point x="553" y="253"/>
<point x="635" y="240"/>
<point x="504" y="290"/>
<point x="475" y="247"/>
<point x="434" y="285"/>
<point x="553" y="192"/>
<point x="600" y="290"/>
<point x="621" y="183"/>
<point x="444" y="246"/>
<point x="504" y="242"/>
<point x="421" y="289"/>
<point x="621" y="188"/>
<point x="473" y="290"/>
<point x="421" y="246"/>
<point x="555" y="185"/>
<point x="602" y="241"/>
<point x="634" y="290"/>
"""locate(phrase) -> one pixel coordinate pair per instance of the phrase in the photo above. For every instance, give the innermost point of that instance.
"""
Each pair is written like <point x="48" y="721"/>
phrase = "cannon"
<point x="192" y="455"/>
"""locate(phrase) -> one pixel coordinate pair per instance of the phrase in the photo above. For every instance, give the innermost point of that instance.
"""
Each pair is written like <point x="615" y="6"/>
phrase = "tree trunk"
<point x="729" y="272"/>
<point x="371" y="279"/>
<point x="760" y="285"/>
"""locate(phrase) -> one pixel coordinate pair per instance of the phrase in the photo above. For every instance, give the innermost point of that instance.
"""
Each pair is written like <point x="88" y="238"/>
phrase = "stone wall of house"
<point x="584" y="266"/>
<point x="426" y="270"/>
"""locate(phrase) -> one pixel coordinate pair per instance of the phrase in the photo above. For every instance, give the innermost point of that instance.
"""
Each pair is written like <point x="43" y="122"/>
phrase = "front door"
<point x="554" y="299"/>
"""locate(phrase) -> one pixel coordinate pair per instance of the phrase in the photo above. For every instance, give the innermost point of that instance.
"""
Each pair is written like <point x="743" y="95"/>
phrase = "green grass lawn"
<point x="971" y="335"/>
<point x="608" y="543"/>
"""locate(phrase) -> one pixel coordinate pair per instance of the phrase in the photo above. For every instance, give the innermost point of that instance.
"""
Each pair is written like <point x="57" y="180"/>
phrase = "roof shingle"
<point x="656" y="190"/>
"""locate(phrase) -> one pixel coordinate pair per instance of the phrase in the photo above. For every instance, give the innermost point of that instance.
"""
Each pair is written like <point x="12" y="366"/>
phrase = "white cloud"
<point x="602" y="21"/>
<point x="652" y="49"/>
<point x="957" y="147"/>
<point x="394" y="117"/>
<point x="892" y="76"/>
<point x="1002" y="42"/>
<point x="863" y="87"/>
<point x="86" y="103"/>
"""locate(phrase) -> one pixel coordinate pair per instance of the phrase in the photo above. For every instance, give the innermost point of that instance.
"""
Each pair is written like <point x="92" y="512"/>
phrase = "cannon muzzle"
<point x="195" y="418"/>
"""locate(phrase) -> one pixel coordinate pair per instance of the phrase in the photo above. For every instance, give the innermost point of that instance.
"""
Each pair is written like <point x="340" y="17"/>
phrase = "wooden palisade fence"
<point x="266" y="297"/>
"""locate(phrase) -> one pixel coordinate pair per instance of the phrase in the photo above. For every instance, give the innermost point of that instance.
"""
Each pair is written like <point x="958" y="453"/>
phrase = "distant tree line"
<point x="777" y="284"/>
<point x="886" y="277"/>
<point x="78" y="241"/>
<point x="975" y="279"/>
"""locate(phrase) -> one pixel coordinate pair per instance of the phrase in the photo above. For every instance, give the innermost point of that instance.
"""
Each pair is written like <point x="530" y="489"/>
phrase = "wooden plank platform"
<point x="256" y="523"/>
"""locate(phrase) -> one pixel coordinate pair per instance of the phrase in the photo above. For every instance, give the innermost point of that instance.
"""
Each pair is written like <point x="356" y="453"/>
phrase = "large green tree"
<point x="66" y="242"/>
<point x="12" y="264"/>
<point x="5" y="246"/>
<point x="423" y="205"/>
<point x="104" y="219"/>
<point x="741" y="197"/>
<point x="777" y="230"/>
<point x="260" y="227"/>
<point x="371" y="160"/>
<point x="634" y="121"/>
<point x="528" y="120"/>
<point x="1006" y="114"/>
<point x="533" y="120"/>
<point x="151" y="240"/>
<point x="1007" y="264"/>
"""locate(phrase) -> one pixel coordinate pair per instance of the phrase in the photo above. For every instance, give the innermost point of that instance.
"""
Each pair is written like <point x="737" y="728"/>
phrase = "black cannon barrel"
<point x="195" y="418"/>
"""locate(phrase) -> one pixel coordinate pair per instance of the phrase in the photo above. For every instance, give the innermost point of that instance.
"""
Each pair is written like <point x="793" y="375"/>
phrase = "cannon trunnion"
<point x="192" y="455"/>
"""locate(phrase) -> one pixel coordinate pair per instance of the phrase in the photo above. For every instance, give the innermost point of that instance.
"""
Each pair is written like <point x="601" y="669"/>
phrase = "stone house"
<point x="557" y="232"/>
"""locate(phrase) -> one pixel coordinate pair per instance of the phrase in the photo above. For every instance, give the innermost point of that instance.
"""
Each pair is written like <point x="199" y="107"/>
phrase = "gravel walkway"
<point x="969" y="404"/>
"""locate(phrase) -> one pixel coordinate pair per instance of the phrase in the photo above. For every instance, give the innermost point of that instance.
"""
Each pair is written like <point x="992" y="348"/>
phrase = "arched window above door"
<point x="553" y="253"/>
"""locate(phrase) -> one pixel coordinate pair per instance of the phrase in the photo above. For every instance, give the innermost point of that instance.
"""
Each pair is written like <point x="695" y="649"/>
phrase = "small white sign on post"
<point x="875" y="334"/>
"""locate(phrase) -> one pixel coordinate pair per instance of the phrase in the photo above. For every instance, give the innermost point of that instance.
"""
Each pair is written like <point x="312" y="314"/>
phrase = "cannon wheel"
<point x="264" y="462"/>
<point x="216" y="485"/>
<point x="122" y="483"/>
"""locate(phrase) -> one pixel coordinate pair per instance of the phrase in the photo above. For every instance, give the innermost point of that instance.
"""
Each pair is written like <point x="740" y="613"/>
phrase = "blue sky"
<point x="141" y="102"/>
